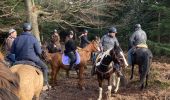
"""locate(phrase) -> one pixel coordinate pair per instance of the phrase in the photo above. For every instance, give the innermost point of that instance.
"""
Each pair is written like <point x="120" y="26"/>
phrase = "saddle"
<point x="26" y="62"/>
<point x="66" y="59"/>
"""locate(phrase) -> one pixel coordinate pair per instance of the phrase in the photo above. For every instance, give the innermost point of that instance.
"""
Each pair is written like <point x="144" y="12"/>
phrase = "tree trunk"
<point x="158" y="35"/>
<point x="32" y="16"/>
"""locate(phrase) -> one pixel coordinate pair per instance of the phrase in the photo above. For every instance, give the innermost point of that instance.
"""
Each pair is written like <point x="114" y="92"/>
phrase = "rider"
<point x="107" y="42"/>
<point x="27" y="47"/>
<point x="54" y="45"/>
<point x="138" y="38"/>
<point x="8" y="43"/>
<point x="83" y="39"/>
<point x="70" y="49"/>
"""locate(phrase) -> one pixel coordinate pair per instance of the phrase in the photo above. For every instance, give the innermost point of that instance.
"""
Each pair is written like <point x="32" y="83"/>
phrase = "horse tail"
<point x="145" y="68"/>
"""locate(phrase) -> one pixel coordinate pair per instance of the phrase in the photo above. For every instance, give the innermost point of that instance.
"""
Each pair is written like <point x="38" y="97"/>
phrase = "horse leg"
<point x="114" y="79"/>
<point x="80" y="83"/>
<point x="100" y="81"/>
<point x="67" y="73"/>
<point x="141" y="82"/>
<point x="108" y="94"/>
<point x="37" y="96"/>
<point x="55" y="75"/>
<point x="132" y="70"/>
<point x="117" y="84"/>
<point x="146" y="85"/>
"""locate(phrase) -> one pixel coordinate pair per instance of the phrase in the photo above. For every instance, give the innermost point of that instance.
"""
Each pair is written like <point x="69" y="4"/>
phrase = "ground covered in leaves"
<point x="158" y="89"/>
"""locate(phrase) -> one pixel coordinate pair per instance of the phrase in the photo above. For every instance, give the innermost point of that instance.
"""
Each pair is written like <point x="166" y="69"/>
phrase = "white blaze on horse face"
<point x="125" y="62"/>
<point x="100" y="93"/>
<point x="98" y="48"/>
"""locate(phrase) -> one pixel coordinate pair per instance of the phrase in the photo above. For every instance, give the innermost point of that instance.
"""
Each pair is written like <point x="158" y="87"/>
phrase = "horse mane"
<point x="9" y="83"/>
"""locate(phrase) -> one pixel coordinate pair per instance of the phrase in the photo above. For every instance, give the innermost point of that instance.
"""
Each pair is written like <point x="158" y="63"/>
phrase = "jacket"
<point x="26" y="47"/>
<point x="138" y="37"/>
<point x="84" y="41"/>
<point x="108" y="42"/>
<point x="70" y="46"/>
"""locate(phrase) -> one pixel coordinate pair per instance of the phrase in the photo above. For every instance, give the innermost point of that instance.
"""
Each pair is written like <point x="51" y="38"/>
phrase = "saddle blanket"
<point x="66" y="59"/>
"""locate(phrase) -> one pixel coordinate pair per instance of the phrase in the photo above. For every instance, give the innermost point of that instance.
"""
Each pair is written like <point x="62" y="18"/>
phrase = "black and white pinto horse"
<point x="143" y="58"/>
<point x="105" y="70"/>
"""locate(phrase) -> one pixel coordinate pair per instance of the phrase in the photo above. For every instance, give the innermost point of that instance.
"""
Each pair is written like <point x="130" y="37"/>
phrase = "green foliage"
<point x="159" y="49"/>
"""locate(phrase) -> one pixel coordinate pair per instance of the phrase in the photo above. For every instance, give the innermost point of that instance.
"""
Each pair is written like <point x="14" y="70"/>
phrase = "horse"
<point x="143" y="58"/>
<point x="85" y="54"/>
<point x="105" y="70"/>
<point x="9" y="83"/>
<point x="2" y="57"/>
<point x="31" y="81"/>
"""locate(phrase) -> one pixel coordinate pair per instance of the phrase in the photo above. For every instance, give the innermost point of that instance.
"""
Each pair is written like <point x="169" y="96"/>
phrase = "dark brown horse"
<point x="85" y="55"/>
<point x="9" y="83"/>
<point x="105" y="70"/>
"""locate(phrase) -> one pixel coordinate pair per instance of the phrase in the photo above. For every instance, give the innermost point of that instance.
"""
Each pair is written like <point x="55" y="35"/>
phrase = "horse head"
<point x="95" y="45"/>
<point x="45" y="55"/>
<point x="118" y="56"/>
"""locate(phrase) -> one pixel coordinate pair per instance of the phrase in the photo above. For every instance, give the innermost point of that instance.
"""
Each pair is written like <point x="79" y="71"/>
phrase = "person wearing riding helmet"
<point x="139" y="37"/>
<point x="70" y="49"/>
<point x="12" y="34"/>
<point x="83" y="39"/>
<point x="108" y="41"/>
<point x="54" y="44"/>
<point x="26" y="47"/>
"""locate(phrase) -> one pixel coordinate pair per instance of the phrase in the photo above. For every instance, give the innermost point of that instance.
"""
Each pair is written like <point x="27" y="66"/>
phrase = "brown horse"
<point x="2" y="57"/>
<point x="9" y="83"/>
<point x="85" y="55"/>
<point x="105" y="69"/>
<point x="31" y="81"/>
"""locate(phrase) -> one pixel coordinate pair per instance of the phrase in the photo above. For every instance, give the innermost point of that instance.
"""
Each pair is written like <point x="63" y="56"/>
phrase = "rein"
<point x="104" y="73"/>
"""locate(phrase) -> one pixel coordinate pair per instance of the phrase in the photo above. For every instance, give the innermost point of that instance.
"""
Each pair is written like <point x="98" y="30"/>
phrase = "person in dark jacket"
<point x="27" y="47"/>
<point x="54" y="44"/>
<point x="83" y="39"/>
<point x="139" y="37"/>
<point x="70" y="49"/>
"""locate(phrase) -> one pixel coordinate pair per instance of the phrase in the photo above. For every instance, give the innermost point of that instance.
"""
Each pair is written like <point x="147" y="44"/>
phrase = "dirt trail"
<point x="158" y="89"/>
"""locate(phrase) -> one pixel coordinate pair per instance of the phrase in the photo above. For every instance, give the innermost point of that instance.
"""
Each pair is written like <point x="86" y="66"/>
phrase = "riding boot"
<point x="117" y="67"/>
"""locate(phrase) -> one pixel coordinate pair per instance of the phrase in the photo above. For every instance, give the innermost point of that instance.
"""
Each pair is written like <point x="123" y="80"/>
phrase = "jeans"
<point x="130" y="56"/>
<point x="72" y="57"/>
<point x="44" y="68"/>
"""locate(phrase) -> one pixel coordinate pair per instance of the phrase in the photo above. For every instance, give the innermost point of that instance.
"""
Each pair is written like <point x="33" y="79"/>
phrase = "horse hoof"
<point x="99" y="99"/>
<point x="108" y="95"/>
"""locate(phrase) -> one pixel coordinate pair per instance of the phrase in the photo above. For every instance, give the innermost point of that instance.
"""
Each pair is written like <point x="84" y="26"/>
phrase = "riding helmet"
<point x="85" y="31"/>
<point x="112" y="30"/>
<point x="27" y="27"/>
<point x="137" y="26"/>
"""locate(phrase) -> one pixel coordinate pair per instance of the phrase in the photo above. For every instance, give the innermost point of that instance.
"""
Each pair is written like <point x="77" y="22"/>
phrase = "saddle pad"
<point x="142" y="46"/>
<point x="66" y="59"/>
<point x="26" y="62"/>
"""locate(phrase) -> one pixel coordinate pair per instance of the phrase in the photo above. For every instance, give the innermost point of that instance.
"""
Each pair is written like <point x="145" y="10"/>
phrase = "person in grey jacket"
<point x="26" y="47"/>
<point x="137" y="38"/>
<point x="108" y="41"/>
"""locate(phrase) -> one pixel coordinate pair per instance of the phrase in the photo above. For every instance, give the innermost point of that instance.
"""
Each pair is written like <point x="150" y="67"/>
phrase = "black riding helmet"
<point x="27" y="27"/>
<point x="85" y="31"/>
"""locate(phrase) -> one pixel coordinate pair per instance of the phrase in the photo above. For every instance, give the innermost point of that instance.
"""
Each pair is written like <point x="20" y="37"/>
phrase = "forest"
<point x="97" y="16"/>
